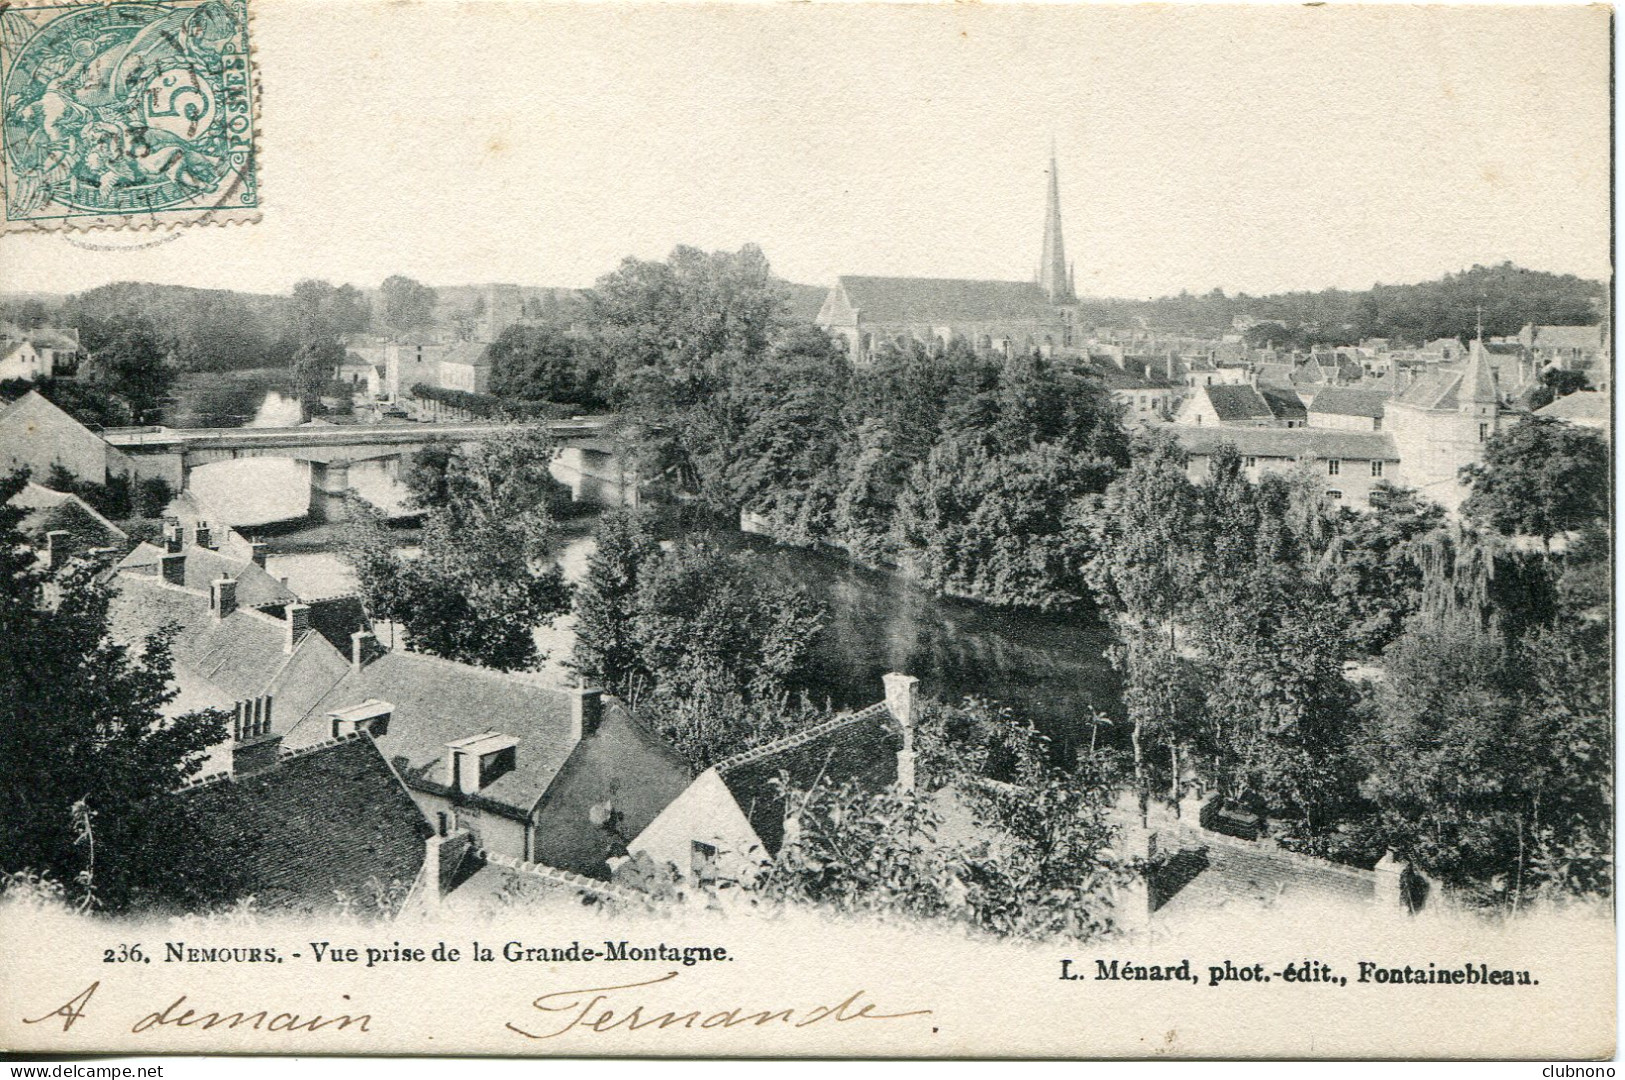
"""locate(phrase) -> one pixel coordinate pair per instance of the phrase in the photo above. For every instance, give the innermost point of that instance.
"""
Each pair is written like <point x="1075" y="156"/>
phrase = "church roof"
<point x="944" y="300"/>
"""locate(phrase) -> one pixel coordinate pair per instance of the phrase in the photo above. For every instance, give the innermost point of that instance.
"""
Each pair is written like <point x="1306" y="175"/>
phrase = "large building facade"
<point x="872" y="314"/>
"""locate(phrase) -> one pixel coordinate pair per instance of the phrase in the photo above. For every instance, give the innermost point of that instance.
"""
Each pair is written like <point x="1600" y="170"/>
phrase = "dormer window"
<point x="480" y="760"/>
<point x="371" y="716"/>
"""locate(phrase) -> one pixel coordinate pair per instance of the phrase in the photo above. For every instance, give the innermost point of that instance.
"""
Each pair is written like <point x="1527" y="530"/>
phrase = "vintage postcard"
<point x="806" y="530"/>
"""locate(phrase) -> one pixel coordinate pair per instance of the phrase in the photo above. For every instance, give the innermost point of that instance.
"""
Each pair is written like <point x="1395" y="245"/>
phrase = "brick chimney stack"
<point x="202" y="535"/>
<point x="297" y="619"/>
<point x="172" y="567"/>
<point x="258" y="549"/>
<point x="254" y="747"/>
<point x="222" y="597"/>
<point x="900" y="702"/>
<point x="586" y="711"/>
<point x="174" y="537"/>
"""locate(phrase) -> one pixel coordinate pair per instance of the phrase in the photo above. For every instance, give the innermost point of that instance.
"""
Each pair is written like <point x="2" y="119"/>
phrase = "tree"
<point x="323" y="315"/>
<point x="153" y="496"/>
<point x="133" y="367"/>
<point x="1541" y="477"/>
<point x="82" y="725"/>
<point x="484" y="578"/>
<point x="542" y="363"/>
<point x="606" y="648"/>
<point x="1371" y="567"/>
<point x="407" y="304"/>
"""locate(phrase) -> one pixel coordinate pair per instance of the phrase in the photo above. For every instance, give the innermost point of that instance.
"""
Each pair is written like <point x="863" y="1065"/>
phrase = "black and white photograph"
<point x="782" y="530"/>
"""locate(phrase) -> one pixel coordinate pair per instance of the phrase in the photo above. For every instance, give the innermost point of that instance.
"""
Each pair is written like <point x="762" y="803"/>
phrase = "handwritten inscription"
<point x="602" y="1009"/>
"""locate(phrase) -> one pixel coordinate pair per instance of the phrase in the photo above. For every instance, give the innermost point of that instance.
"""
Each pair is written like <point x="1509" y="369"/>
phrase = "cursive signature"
<point x="594" y="1010"/>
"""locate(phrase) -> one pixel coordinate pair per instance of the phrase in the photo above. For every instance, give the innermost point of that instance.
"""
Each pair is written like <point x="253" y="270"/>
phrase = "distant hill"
<point x="1447" y="307"/>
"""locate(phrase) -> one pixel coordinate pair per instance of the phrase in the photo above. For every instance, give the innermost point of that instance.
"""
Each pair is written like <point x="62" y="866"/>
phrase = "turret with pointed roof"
<point x="1054" y="275"/>
<point x="1477" y="385"/>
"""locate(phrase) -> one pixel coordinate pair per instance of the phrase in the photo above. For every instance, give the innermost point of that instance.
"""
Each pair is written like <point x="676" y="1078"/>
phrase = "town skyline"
<point x="1256" y="167"/>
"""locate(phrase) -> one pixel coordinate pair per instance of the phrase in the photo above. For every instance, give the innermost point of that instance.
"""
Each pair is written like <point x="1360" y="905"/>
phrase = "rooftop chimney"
<point x="254" y="747"/>
<point x="586" y="711"/>
<point x="172" y="567"/>
<point x="174" y="537"/>
<point x="900" y="694"/>
<point x="257" y="551"/>
<point x="58" y="547"/>
<point x="202" y="536"/>
<point x="222" y="597"/>
<point x="298" y="622"/>
<point x="360" y="648"/>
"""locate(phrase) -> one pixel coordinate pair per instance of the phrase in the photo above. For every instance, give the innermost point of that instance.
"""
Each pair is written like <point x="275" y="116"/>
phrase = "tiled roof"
<point x="471" y="353"/>
<point x="1283" y="404"/>
<point x="1344" y="401"/>
<point x="1288" y="442"/>
<point x="944" y="300"/>
<point x="1568" y="337"/>
<point x="327" y="820"/>
<point x="1210" y="872"/>
<point x="1237" y="404"/>
<point x="861" y="747"/>
<point x="1580" y="405"/>
<point x="256" y="587"/>
<point x="50" y="510"/>
<point x="440" y="701"/>
<point x="239" y="655"/>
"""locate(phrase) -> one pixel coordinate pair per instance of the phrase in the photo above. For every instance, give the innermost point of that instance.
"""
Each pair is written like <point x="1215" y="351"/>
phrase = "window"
<point x="1376" y="469"/>
<point x="1333" y="467"/>
<point x="1376" y="423"/>
<point x="1334" y="495"/>
<point x="1252" y="463"/>
<point x="1483" y="432"/>
<point x="703" y="861"/>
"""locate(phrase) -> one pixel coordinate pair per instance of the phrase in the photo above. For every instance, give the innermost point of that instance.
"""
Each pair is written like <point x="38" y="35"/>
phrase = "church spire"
<point x="1053" y="276"/>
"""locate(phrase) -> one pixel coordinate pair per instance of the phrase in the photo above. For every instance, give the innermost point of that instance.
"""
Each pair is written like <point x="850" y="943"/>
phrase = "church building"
<point x="998" y="317"/>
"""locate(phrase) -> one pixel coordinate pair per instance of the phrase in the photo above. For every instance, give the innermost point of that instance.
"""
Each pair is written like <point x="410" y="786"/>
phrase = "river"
<point x="1050" y="668"/>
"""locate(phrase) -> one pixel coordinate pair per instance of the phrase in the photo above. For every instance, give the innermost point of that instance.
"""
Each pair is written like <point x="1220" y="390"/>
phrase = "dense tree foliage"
<point x="87" y="757"/>
<point x="483" y="579"/>
<point x="544" y="363"/>
<point x="707" y="643"/>
<point x="1041" y="867"/>
<point x="404" y="305"/>
<point x="1540" y="477"/>
<point x="132" y="367"/>
<point x="1448" y="307"/>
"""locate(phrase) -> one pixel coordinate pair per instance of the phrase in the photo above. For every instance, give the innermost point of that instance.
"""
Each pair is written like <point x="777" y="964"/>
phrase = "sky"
<point x="1252" y="149"/>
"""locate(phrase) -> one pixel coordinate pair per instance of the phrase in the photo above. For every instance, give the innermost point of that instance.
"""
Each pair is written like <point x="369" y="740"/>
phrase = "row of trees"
<point x="1481" y="754"/>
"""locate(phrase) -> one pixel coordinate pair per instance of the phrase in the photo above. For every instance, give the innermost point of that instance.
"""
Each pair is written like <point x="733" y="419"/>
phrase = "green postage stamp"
<point x="128" y="115"/>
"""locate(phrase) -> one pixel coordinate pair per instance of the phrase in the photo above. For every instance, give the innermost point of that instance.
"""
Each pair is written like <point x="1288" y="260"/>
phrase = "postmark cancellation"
<point x="128" y="115"/>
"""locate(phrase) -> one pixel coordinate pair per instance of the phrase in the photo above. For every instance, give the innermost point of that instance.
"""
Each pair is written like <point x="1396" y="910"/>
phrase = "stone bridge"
<point x="586" y="462"/>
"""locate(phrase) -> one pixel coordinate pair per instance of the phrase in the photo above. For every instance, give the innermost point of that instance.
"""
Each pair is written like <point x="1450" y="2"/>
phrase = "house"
<point x="466" y="367"/>
<point x="311" y="829"/>
<point x="1587" y="408"/>
<point x="1242" y="406"/>
<point x="62" y="524"/>
<point x="1571" y="348"/>
<point x="412" y="360"/>
<point x="562" y="777"/>
<point x="1144" y="396"/>
<point x="21" y="360"/>
<point x="1441" y="422"/>
<point x="37" y="435"/>
<point x="1348" y="463"/>
<point x="526" y="771"/>
<point x="1347" y="409"/>
<point x="733" y="817"/>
